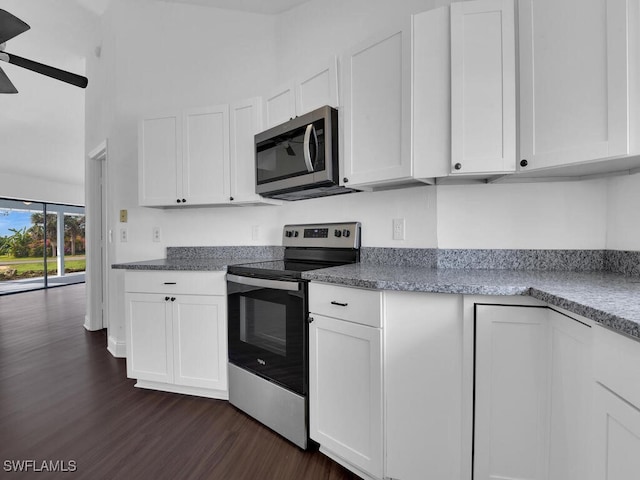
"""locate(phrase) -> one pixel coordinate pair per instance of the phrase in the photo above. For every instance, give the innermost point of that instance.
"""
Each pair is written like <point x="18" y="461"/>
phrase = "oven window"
<point x="263" y="324"/>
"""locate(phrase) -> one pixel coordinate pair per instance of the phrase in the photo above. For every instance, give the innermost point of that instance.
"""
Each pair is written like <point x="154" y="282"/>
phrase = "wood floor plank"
<point x="64" y="397"/>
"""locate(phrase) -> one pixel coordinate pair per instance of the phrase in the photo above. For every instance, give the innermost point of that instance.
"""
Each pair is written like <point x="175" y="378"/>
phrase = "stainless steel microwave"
<point x="299" y="158"/>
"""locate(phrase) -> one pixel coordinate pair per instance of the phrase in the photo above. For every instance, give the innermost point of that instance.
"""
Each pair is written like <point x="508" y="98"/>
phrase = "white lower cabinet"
<point x="532" y="394"/>
<point x="177" y="341"/>
<point x="345" y="386"/>
<point x="616" y="437"/>
<point x="384" y="381"/>
<point x="616" y="449"/>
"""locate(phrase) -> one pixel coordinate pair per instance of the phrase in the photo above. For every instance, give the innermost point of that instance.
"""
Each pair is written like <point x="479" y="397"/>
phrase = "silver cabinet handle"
<point x="339" y="304"/>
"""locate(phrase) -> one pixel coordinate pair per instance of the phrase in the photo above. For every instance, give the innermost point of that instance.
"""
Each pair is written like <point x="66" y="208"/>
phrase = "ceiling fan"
<point x="11" y="26"/>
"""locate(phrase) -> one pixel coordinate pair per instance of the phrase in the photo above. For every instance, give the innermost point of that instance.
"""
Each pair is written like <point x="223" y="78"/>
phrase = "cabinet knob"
<point x="524" y="163"/>
<point x="231" y="199"/>
<point x="184" y="200"/>
<point x="310" y="320"/>
<point x="166" y="299"/>
<point x="178" y="201"/>
<point x="345" y="180"/>
<point x="173" y="299"/>
<point x="458" y="166"/>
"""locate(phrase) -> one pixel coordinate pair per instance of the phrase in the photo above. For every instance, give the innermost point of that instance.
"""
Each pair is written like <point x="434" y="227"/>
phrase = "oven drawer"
<point x="346" y="303"/>
<point x="176" y="282"/>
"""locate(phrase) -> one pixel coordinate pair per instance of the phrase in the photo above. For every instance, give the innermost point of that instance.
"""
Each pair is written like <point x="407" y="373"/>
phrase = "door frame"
<point x="96" y="196"/>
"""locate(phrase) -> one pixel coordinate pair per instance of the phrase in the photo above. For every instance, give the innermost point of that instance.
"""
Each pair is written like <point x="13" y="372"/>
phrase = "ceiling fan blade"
<point x="10" y="26"/>
<point x="5" y="84"/>
<point x="62" y="75"/>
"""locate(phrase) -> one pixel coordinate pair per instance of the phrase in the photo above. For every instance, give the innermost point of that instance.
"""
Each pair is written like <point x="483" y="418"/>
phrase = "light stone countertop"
<point x="612" y="300"/>
<point x="186" y="264"/>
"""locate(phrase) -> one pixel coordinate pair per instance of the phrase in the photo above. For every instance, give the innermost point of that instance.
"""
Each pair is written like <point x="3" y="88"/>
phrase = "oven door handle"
<point x="262" y="282"/>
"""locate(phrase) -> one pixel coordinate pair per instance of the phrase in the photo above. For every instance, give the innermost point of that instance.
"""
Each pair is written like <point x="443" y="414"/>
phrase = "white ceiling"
<point x="255" y="6"/>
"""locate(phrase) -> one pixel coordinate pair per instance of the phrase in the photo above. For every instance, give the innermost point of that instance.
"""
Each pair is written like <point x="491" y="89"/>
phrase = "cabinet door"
<point x="279" y="106"/>
<point x="483" y="87"/>
<point x="573" y="80"/>
<point x="511" y="392"/>
<point x="377" y="110"/>
<point x="150" y="337"/>
<point x="205" y="166"/>
<point x="159" y="157"/>
<point x="616" y="454"/>
<point x="200" y="341"/>
<point x="318" y="88"/>
<point x="431" y="98"/>
<point x="245" y="122"/>
<point x="345" y="391"/>
<point x="571" y="393"/>
<point x="533" y="394"/>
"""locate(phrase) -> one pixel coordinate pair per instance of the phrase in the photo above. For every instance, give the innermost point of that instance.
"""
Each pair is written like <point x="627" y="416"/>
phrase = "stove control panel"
<point x="326" y="235"/>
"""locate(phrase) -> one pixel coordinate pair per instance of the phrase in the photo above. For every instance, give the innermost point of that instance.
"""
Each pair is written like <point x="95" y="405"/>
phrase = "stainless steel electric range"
<point x="268" y="334"/>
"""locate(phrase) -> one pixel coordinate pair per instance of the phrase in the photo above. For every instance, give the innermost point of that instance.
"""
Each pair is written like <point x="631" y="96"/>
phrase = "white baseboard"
<point x="116" y="348"/>
<point x="88" y="326"/>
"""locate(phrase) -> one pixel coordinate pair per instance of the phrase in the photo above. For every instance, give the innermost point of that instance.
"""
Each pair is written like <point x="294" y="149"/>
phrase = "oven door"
<point x="268" y="329"/>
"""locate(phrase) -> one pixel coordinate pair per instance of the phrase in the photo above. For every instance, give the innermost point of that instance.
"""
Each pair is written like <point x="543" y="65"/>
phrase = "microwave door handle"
<point x="307" y="149"/>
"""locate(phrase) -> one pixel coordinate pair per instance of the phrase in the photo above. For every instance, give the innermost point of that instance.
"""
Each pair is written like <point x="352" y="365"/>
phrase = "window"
<point x="41" y="245"/>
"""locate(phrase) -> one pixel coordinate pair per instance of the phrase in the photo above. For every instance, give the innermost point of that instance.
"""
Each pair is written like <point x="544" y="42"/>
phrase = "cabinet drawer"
<point x="346" y="303"/>
<point x="616" y="364"/>
<point x="171" y="282"/>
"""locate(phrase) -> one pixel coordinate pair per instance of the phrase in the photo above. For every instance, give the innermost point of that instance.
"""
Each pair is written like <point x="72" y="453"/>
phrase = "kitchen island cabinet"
<point x="176" y="331"/>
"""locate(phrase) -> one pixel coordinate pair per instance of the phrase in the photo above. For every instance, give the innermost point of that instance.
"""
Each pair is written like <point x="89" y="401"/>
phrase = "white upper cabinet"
<point x="183" y="158"/>
<point x="431" y="93"/>
<point x="376" y="94"/>
<point x="483" y="87"/>
<point x="159" y="154"/>
<point x="314" y="89"/>
<point x="317" y="88"/>
<point x="279" y="105"/>
<point x="205" y="163"/>
<point x="579" y="82"/>
<point x="245" y="119"/>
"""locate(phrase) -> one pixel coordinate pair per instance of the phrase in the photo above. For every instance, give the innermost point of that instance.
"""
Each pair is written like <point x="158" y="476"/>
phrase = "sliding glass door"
<point x="41" y="245"/>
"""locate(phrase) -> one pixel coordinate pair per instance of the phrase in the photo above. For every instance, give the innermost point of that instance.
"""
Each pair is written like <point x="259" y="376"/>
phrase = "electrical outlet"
<point x="123" y="216"/>
<point x="156" y="234"/>
<point x="123" y="234"/>
<point x="398" y="228"/>
<point x="255" y="232"/>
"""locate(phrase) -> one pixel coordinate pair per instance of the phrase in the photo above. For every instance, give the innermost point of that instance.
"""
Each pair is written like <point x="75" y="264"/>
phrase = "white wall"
<point x="623" y="213"/>
<point x="42" y="127"/>
<point x="563" y="215"/>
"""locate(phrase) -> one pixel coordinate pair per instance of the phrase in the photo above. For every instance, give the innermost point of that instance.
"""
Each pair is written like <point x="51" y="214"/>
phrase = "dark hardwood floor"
<point x="64" y="398"/>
